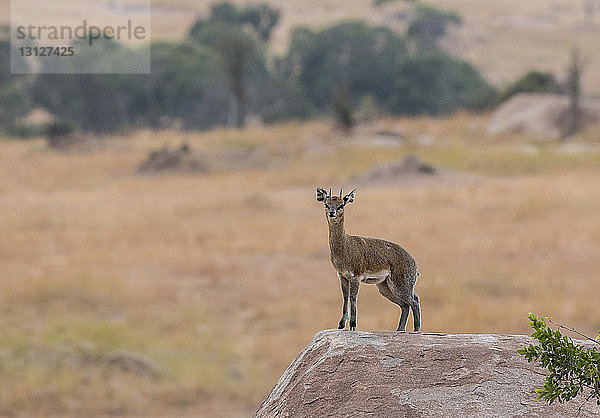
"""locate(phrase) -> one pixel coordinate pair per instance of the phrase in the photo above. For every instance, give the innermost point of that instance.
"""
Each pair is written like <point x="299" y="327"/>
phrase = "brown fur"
<point x="371" y="261"/>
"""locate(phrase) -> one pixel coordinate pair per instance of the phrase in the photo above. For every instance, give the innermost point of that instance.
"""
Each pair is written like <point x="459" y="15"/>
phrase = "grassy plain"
<point x="219" y="279"/>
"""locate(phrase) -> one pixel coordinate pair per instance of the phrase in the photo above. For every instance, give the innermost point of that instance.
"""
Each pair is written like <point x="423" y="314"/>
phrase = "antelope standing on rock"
<point x="368" y="260"/>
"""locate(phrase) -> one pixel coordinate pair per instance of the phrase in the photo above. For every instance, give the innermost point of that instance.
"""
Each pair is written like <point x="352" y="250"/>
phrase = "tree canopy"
<point x="374" y="61"/>
<point x="222" y="72"/>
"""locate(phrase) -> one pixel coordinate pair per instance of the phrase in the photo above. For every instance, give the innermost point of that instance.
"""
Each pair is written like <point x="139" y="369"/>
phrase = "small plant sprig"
<point x="573" y="368"/>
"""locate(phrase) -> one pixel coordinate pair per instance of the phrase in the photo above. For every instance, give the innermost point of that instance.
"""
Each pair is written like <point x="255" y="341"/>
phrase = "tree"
<point x="239" y="49"/>
<point x="99" y="103"/>
<point x="237" y="52"/>
<point x="436" y="83"/>
<point x="212" y="78"/>
<point x="573" y="368"/>
<point x="15" y="101"/>
<point x="343" y="109"/>
<point x="263" y="19"/>
<point x="430" y="24"/>
<point x="14" y="104"/>
<point x="352" y="58"/>
<point x="380" y="2"/>
<point x="187" y="86"/>
<point x="589" y="10"/>
<point x="5" y="75"/>
<point x="573" y="87"/>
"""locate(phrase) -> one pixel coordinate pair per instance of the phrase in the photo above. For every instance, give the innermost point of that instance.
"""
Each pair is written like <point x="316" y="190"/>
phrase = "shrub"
<point x="56" y="129"/>
<point x="533" y="82"/>
<point x="436" y="83"/>
<point x="573" y="368"/>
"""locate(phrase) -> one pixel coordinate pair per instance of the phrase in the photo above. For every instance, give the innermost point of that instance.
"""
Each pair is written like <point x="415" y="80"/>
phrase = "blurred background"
<point x="161" y="249"/>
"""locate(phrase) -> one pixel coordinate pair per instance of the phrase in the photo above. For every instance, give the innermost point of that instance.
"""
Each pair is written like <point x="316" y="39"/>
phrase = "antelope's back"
<point x="377" y="254"/>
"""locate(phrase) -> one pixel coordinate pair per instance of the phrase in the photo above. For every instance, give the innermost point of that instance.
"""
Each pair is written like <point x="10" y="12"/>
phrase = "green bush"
<point x="573" y="368"/>
<point x="436" y="83"/>
<point x="57" y="129"/>
<point x="533" y="82"/>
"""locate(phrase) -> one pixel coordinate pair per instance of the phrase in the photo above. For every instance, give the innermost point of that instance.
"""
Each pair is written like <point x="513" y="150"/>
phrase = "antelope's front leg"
<point x="354" y="283"/>
<point x="345" y="291"/>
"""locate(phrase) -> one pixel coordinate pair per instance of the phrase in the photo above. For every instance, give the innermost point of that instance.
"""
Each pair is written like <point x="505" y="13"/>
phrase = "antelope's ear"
<point x="321" y="195"/>
<point x="349" y="198"/>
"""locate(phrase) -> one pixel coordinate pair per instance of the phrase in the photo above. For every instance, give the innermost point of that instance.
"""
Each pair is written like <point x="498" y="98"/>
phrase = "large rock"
<point x="539" y="115"/>
<point x="395" y="374"/>
<point x="181" y="159"/>
<point x="411" y="168"/>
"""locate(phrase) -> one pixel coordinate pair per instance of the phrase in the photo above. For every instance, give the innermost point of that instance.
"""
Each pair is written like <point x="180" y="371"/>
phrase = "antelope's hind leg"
<point x="384" y="289"/>
<point x="416" y="310"/>
<point x="403" y="317"/>
<point x="345" y="294"/>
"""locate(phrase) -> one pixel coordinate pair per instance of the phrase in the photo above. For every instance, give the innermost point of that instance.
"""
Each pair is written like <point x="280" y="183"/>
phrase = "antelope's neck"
<point x="337" y="238"/>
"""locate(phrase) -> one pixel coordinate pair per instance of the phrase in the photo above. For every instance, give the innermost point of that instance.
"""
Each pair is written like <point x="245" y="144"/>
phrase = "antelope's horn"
<point x="329" y="192"/>
<point x="341" y="192"/>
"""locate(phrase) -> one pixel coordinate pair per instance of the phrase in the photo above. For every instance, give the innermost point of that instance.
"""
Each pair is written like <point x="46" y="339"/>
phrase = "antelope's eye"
<point x="326" y="206"/>
<point x="340" y="208"/>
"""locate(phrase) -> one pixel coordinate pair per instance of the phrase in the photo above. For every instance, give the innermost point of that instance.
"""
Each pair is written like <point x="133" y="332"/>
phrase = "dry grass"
<point x="220" y="279"/>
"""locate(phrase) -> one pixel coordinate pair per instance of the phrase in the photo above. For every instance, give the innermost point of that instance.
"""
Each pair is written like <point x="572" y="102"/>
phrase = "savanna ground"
<point x="219" y="279"/>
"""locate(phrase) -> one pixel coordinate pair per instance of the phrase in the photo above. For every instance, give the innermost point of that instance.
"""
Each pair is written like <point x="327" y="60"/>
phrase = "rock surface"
<point x="181" y="159"/>
<point x="540" y="115"/>
<point x="409" y="170"/>
<point x="184" y="159"/>
<point x="394" y="374"/>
